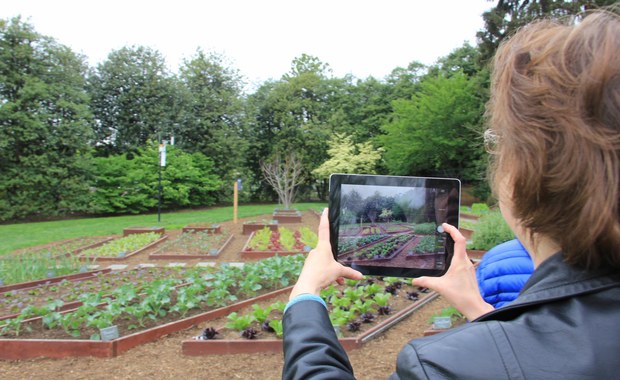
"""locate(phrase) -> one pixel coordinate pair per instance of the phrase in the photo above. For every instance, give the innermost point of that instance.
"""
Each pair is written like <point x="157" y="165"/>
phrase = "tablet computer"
<point x="391" y="225"/>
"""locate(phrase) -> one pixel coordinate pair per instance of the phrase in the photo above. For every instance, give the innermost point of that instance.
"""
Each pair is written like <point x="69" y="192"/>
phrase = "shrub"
<point x="490" y="231"/>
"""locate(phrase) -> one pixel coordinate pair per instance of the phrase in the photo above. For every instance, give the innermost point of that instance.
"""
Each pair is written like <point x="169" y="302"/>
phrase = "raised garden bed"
<point x="123" y="248"/>
<point x="352" y="334"/>
<point x="70" y="290"/>
<point x="266" y="243"/>
<point x="19" y="349"/>
<point x="143" y="230"/>
<point x="475" y="254"/>
<point x="52" y="280"/>
<point x="466" y="232"/>
<point x="212" y="229"/>
<point x="48" y="262"/>
<point x="163" y="306"/>
<point x="287" y="216"/>
<point x="249" y="227"/>
<point x="198" y="245"/>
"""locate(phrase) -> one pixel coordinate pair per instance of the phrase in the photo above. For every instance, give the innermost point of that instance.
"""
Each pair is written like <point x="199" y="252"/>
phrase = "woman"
<point x="554" y="114"/>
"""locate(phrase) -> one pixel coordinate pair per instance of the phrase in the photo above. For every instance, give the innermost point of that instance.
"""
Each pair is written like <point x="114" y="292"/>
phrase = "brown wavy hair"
<point x="555" y="112"/>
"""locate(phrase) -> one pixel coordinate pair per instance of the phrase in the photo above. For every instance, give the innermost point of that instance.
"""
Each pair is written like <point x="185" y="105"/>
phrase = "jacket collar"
<point x="553" y="280"/>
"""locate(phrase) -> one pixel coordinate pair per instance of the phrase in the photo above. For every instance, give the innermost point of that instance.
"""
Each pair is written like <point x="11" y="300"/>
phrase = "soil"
<point x="163" y="359"/>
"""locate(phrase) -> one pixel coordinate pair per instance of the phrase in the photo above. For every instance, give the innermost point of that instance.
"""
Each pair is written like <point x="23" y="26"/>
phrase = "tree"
<point x="292" y="115"/>
<point x="45" y="125"/>
<point x="437" y="131"/>
<point x="507" y="16"/>
<point x="346" y="157"/>
<point x="284" y="175"/>
<point x="213" y="114"/>
<point x="133" y="99"/>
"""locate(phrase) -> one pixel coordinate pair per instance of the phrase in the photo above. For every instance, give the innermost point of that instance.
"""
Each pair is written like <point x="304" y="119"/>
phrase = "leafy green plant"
<point x="287" y="239"/>
<point x="260" y="240"/>
<point x="426" y="245"/>
<point x="261" y="314"/>
<point x="239" y="322"/>
<point x="308" y="237"/>
<point x="276" y="325"/>
<point x="479" y="209"/>
<point x="425" y="228"/>
<point x="123" y="246"/>
<point x="451" y="312"/>
<point x="490" y="231"/>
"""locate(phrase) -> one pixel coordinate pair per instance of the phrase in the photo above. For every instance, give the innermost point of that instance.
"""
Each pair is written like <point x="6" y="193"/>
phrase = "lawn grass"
<point x="23" y="235"/>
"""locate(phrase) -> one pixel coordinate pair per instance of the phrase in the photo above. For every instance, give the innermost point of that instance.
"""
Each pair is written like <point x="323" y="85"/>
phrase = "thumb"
<point x="425" y="282"/>
<point x="351" y="273"/>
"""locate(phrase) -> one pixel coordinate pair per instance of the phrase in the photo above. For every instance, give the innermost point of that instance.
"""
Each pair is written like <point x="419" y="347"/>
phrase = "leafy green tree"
<point x="507" y="16"/>
<point x="346" y="157"/>
<point x="437" y="131"/>
<point x="213" y="113"/>
<point x="124" y="185"/>
<point x="45" y="125"/>
<point x="292" y="115"/>
<point x="404" y="82"/>
<point x="133" y="99"/>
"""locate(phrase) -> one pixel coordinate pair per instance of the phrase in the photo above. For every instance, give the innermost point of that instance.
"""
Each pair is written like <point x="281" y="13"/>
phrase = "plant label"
<point x="109" y="333"/>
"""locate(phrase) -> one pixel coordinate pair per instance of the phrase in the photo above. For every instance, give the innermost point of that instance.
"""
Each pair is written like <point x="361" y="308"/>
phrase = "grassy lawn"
<point x="22" y="235"/>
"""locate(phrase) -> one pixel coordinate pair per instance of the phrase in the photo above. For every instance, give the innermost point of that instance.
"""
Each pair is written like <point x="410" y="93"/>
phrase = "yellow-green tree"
<point x="347" y="157"/>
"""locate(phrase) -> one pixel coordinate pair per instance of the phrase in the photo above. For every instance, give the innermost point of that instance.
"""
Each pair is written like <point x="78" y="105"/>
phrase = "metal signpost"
<point x="162" y="163"/>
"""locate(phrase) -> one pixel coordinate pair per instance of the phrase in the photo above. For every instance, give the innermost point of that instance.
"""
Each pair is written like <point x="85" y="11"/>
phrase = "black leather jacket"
<point x="564" y="325"/>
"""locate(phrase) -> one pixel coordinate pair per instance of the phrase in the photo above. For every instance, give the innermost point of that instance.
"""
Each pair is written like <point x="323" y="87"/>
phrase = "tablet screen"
<point x="391" y="225"/>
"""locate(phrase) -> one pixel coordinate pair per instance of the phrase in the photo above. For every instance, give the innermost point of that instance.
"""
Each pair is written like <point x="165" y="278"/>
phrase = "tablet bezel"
<point x="452" y="217"/>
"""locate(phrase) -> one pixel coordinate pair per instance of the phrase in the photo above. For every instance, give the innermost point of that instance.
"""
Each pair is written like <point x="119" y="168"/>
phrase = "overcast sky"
<point x="260" y="38"/>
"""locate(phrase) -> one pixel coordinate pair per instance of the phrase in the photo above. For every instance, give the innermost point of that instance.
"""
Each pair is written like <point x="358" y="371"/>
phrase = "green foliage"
<point x="123" y="246"/>
<point x="25" y="268"/>
<point x="124" y="185"/>
<point x="44" y="125"/>
<point x="211" y="112"/>
<point x="506" y="17"/>
<point x="436" y="131"/>
<point x="346" y="157"/>
<point x="277" y="327"/>
<point x="260" y="240"/>
<point x="491" y="230"/>
<point x="308" y="237"/>
<point x="426" y="245"/>
<point x="451" y="312"/>
<point x="239" y="322"/>
<point x="425" y="228"/>
<point x="287" y="239"/>
<point x="131" y="99"/>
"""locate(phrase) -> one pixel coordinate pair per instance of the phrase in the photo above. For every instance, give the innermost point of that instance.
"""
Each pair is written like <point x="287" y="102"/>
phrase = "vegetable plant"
<point x="239" y="322"/>
<point x="123" y="246"/>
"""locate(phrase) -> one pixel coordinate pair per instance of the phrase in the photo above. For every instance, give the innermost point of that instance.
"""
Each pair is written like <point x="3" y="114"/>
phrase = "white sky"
<point x="261" y="38"/>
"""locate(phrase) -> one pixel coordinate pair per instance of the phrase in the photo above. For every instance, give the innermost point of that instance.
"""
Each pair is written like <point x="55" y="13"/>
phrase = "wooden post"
<point x="235" y="202"/>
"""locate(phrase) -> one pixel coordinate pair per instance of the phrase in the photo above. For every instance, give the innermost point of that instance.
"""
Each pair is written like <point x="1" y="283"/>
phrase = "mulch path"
<point x="163" y="359"/>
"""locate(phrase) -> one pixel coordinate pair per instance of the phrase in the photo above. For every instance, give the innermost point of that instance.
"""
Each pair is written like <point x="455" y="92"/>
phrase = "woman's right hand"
<point x="458" y="285"/>
<point x="320" y="268"/>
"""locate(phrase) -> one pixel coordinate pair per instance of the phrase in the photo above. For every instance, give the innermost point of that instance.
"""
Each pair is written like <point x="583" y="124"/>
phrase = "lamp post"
<point x="162" y="163"/>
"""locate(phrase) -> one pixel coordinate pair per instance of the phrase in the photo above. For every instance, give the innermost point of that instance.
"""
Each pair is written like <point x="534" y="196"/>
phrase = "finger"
<point x="340" y="280"/>
<point x="460" y="243"/>
<point x="425" y="282"/>
<point x="324" y="227"/>
<point x="351" y="273"/>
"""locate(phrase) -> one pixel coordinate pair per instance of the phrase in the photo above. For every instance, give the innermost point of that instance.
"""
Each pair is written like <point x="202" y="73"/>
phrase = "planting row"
<point x="353" y="308"/>
<point x="156" y="302"/>
<point x="283" y="239"/>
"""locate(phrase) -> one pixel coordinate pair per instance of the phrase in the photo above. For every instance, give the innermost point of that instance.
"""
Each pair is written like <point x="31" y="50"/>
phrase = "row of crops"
<point x="134" y="306"/>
